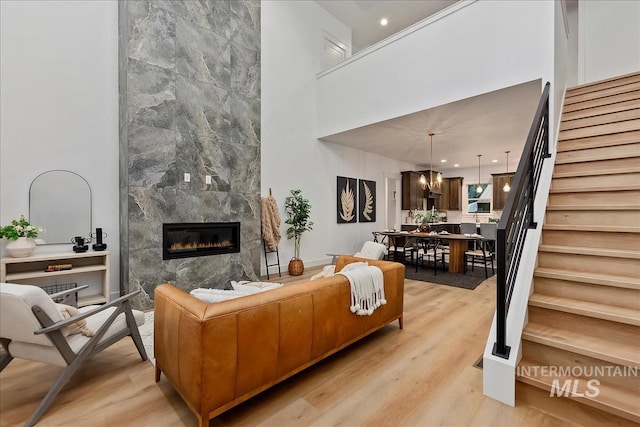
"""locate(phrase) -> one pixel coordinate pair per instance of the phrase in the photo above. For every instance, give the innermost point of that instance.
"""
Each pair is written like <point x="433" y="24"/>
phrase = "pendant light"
<point x="439" y="175"/>
<point x="507" y="187"/>
<point x="479" y="187"/>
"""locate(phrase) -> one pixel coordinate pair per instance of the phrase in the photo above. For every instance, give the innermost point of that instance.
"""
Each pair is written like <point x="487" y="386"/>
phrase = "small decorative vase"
<point x="296" y="267"/>
<point x="23" y="247"/>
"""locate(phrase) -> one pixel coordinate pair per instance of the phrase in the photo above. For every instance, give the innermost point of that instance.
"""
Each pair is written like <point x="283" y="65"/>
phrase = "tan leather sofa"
<point x="219" y="355"/>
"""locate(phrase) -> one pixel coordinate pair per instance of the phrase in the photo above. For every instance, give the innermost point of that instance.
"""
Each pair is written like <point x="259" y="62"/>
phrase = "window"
<point x="479" y="202"/>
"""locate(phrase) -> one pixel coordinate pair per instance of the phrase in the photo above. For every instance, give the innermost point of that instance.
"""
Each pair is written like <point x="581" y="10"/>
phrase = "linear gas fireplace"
<point x="200" y="239"/>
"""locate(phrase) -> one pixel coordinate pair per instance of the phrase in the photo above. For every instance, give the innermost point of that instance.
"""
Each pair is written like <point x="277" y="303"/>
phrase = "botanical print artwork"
<point x="367" y="201"/>
<point x="346" y="200"/>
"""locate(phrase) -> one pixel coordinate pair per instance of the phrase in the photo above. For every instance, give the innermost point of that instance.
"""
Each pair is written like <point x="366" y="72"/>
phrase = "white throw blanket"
<point x="367" y="289"/>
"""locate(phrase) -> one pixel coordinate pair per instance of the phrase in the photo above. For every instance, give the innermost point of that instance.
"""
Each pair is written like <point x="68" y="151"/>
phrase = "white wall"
<point x="485" y="46"/>
<point x="292" y="157"/>
<point x="59" y="103"/>
<point x="609" y="38"/>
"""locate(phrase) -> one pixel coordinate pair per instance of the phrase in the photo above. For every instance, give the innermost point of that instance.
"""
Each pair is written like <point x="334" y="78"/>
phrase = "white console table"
<point x="90" y="268"/>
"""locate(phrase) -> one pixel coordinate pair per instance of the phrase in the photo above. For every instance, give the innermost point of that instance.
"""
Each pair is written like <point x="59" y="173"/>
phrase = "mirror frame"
<point x="88" y="232"/>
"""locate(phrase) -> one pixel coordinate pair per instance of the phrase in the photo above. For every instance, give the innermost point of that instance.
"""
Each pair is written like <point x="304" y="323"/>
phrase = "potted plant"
<point x="298" y="210"/>
<point x="20" y="235"/>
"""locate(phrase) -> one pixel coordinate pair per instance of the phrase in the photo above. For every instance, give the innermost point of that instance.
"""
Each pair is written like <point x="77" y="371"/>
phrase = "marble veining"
<point x="190" y="103"/>
<point x="202" y="55"/>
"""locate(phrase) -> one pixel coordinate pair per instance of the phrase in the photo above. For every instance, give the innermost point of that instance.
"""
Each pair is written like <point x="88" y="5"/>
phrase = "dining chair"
<point x="489" y="232"/>
<point x="431" y="250"/>
<point x="468" y="228"/>
<point x="482" y="252"/>
<point x="401" y="249"/>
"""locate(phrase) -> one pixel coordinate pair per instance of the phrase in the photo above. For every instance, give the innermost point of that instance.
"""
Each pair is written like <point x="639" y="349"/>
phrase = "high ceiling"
<point x="363" y="16"/>
<point x="488" y="124"/>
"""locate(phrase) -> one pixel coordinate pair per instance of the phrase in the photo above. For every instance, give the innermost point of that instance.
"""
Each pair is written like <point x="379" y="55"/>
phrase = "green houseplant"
<point x="20" y="235"/>
<point x="298" y="210"/>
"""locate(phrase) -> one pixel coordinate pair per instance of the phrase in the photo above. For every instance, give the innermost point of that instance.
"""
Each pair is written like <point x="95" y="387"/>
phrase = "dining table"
<point x="458" y="244"/>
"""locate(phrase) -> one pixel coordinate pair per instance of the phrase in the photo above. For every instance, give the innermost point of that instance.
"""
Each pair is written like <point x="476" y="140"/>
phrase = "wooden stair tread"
<point x="598" y="102"/>
<point x="611" y="399"/>
<point x="620" y="207"/>
<point x="602" y="109"/>
<point x="558" y="336"/>
<point x="586" y="308"/>
<point x="626" y="187"/>
<point x="621" y="138"/>
<point x="593" y="278"/>
<point x="594" y="154"/>
<point x="603" y="228"/>
<point x="600" y="119"/>
<point x="604" y="83"/>
<point x="602" y="129"/>
<point x="616" y="253"/>
<point x="574" y="97"/>
<point x="596" y="172"/>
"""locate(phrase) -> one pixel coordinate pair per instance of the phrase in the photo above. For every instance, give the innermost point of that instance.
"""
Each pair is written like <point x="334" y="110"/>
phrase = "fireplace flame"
<point x="191" y="246"/>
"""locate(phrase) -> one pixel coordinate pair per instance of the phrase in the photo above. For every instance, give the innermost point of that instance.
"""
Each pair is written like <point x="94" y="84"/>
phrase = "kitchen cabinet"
<point x="412" y="191"/>
<point x="451" y="195"/>
<point x="499" y="196"/>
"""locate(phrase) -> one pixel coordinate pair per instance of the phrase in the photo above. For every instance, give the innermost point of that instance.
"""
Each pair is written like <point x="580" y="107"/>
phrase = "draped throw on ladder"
<point x="270" y="223"/>
<point x="367" y="289"/>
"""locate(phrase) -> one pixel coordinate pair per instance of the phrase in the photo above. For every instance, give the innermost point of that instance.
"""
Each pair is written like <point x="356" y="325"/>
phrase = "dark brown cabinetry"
<point x="499" y="196"/>
<point x="451" y="196"/>
<point x="412" y="191"/>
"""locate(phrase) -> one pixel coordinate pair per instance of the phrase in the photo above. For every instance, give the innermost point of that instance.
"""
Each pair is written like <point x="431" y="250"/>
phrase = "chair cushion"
<point x="49" y="354"/>
<point x="17" y="321"/>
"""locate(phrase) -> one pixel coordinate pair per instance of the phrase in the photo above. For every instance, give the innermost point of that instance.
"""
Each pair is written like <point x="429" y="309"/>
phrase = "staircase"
<point x="585" y="309"/>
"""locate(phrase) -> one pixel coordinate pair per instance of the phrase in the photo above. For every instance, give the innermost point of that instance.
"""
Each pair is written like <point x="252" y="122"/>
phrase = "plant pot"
<point x="296" y="267"/>
<point x="20" y="248"/>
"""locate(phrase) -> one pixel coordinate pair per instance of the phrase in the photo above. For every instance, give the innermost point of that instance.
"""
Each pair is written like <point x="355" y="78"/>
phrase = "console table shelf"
<point x="93" y="266"/>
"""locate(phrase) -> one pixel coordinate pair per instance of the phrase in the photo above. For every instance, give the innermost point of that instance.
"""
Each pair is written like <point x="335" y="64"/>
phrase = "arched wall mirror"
<point x="60" y="202"/>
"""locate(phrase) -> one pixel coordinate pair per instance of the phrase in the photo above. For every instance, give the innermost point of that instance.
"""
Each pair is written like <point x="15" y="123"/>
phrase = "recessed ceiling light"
<point x="494" y="161"/>
<point x="456" y="165"/>
<point x="384" y="21"/>
<point x="443" y="161"/>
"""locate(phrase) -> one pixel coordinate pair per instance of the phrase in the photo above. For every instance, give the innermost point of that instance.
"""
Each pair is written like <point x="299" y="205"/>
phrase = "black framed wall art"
<point x="366" y="200"/>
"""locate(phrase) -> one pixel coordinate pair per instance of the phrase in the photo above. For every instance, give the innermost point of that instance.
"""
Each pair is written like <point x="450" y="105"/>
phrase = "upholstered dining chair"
<point x="33" y="327"/>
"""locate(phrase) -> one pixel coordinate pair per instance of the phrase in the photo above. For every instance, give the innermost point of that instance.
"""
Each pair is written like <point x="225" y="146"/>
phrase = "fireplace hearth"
<point x="183" y="240"/>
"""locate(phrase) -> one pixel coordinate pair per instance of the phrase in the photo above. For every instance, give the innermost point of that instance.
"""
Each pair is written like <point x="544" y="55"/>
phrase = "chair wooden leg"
<point x="134" y="331"/>
<point x="7" y="356"/>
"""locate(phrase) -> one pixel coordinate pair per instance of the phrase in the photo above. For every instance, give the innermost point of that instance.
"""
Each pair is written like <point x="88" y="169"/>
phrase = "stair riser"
<point x="591" y="239"/>
<point x="595" y="181"/>
<point x="621" y="218"/>
<point x="590" y="264"/>
<point x="585" y="367"/>
<point x="610" y="128"/>
<point x="631" y="137"/>
<point x="610" y="166"/>
<point x="621" y="297"/>
<point x="602" y="119"/>
<point x="604" y="198"/>
<point x="597" y="86"/>
<point x="599" y="153"/>
<point x="596" y="93"/>
<point x="599" y="111"/>
<point x="591" y="103"/>
<point x="599" y="329"/>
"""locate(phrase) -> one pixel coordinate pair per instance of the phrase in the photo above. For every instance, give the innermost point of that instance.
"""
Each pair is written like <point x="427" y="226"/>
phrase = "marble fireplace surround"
<point x="189" y="82"/>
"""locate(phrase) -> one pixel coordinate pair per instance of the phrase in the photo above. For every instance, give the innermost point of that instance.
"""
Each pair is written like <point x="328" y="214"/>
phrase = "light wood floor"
<point x="420" y="376"/>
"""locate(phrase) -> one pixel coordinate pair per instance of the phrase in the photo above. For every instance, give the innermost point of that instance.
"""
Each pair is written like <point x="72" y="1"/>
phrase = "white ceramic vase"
<point x="23" y="247"/>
